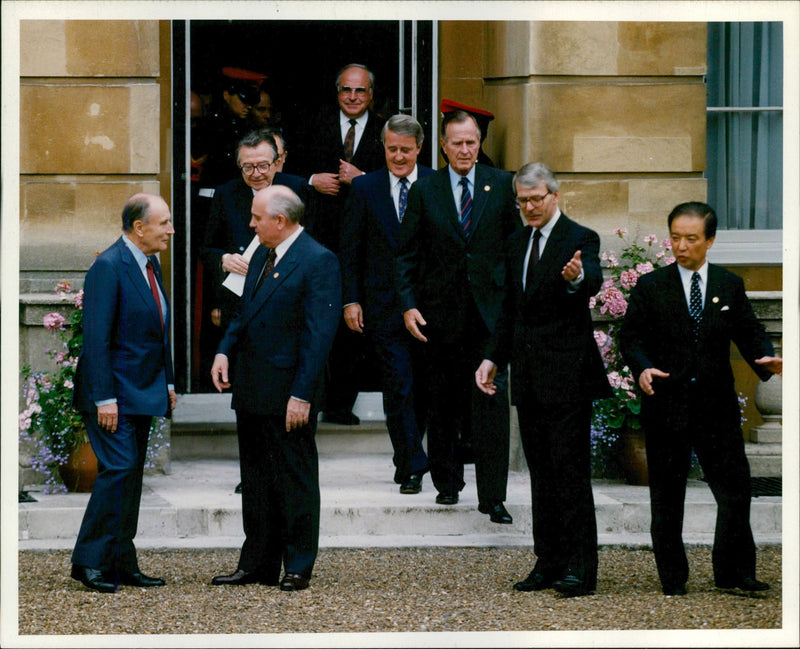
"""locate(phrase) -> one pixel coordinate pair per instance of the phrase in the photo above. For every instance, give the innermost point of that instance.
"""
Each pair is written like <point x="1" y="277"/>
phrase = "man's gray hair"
<point x="284" y="201"/>
<point x="403" y="125"/>
<point x="356" y="65"/>
<point x="534" y="174"/>
<point x="257" y="137"/>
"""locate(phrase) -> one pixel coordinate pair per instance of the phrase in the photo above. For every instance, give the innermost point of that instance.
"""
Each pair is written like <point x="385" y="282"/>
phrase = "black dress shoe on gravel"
<point x="446" y="499"/>
<point x="242" y="578"/>
<point x="413" y="485"/>
<point x="497" y="513"/>
<point x="534" y="581"/>
<point x="674" y="591"/>
<point x="571" y="586"/>
<point x="293" y="581"/>
<point x="93" y="579"/>
<point x="747" y="584"/>
<point x="138" y="579"/>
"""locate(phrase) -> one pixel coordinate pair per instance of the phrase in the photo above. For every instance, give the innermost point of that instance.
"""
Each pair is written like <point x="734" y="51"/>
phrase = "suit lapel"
<point x="139" y="282"/>
<point x="480" y="196"/>
<point x="675" y="300"/>
<point x="551" y="253"/>
<point x="386" y="211"/>
<point x="447" y="204"/>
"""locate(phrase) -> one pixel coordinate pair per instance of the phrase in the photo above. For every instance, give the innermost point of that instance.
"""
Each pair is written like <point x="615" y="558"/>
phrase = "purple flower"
<point x="620" y="232"/>
<point x="54" y="322"/>
<point x="650" y="239"/>
<point x="628" y="278"/>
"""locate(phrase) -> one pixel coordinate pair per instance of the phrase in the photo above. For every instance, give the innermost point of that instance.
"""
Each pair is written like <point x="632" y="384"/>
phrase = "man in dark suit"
<point x="340" y="147"/>
<point x="228" y="233"/>
<point x="449" y="272"/>
<point x="676" y="338"/>
<point x="278" y="343"/>
<point x="374" y="210"/>
<point x="123" y="379"/>
<point x="545" y="330"/>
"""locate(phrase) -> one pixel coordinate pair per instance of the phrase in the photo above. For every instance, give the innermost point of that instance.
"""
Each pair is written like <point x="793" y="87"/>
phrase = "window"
<point x="745" y="129"/>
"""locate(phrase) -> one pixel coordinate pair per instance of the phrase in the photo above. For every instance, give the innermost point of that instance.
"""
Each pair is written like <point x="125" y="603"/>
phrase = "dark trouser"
<point x="280" y="495"/>
<point x="397" y="383"/>
<point x="556" y="442"/>
<point x="342" y="370"/>
<point x="105" y="539"/>
<point x="457" y="408"/>
<point x="720" y="450"/>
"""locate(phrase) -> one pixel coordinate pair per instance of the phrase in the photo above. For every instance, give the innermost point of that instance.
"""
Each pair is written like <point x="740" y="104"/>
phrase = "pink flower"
<point x="592" y="302"/>
<point x="614" y="379"/>
<point x="614" y="303"/>
<point x="79" y="299"/>
<point x="628" y="278"/>
<point x="669" y="260"/>
<point x="68" y="384"/>
<point x="643" y="269"/>
<point x="54" y="321"/>
<point x="666" y="243"/>
<point x="600" y="338"/>
<point x="650" y="239"/>
<point x="24" y="421"/>
<point x="620" y="232"/>
<point x="63" y="287"/>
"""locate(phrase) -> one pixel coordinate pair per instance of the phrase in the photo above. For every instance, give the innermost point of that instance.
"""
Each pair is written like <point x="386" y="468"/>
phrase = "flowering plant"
<point x="49" y="425"/>
<point x="613" y="415"/>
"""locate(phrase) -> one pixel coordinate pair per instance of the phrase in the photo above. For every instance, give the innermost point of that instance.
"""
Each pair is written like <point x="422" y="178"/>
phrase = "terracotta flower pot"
<point x="80" y="471"/>
<point x="634" y="457"/>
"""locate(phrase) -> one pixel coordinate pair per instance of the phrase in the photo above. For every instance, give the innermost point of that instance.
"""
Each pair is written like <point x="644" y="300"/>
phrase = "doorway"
<point x="300" y="59"/>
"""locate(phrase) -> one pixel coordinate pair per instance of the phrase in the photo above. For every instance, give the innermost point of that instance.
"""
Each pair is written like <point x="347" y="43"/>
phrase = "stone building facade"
<point x="617" y="109"/>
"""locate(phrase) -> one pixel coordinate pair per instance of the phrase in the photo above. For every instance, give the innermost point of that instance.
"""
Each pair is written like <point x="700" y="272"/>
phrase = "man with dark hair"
<point x="274" y="353"/>
<point x="545" y="331"/>
<point x="676" y="338"/>
<point x="374" y="211"/>
<point x="339" y="147"/>
<point x="123" y="379"/>
<point x="449" y="272"/>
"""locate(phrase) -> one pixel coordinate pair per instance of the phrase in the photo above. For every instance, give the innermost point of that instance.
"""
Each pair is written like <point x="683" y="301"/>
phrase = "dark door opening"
<point x="300" y="59"/>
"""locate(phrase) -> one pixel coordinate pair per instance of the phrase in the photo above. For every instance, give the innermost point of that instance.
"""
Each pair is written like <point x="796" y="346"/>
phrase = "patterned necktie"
<point x="271" y="257"/>
<point x="466" y="206"/>
<point x="696" y="305"/>
<point x="403" y="202"/>
<point x="151" y="277"/>
<point x="350" y="141"/>
<point x="533" y="258"/>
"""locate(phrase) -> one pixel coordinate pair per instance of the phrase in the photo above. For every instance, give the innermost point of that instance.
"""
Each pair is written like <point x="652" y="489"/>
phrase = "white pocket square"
<point x="725" y="308"/>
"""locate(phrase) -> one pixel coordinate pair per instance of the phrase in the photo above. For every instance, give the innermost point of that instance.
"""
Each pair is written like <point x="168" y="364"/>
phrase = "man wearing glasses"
<point x="545" y="331"/>
<point x="341" y="145"/>
<point x="228" y="232"/>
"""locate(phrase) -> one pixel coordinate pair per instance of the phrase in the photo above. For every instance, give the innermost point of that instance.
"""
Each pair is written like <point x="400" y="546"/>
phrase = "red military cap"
<point x="240" y="74"/>
<point x="448" y="106"/>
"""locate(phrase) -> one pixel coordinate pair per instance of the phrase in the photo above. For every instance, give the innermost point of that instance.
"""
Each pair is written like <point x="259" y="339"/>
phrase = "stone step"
<point x="195" y="506"/>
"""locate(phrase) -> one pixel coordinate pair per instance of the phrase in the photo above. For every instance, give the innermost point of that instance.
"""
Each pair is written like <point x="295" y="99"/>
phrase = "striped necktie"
<point x="466" y="206"/>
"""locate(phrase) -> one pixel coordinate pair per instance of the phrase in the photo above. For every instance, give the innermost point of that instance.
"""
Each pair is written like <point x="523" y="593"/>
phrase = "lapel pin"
<point x="715" y="300"/>
<point x="486" y="188"/>
<point x="276" y="275"/>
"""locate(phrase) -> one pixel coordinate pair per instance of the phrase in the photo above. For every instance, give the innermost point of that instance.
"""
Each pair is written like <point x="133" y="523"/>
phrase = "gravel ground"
<point x="388" y="590"/>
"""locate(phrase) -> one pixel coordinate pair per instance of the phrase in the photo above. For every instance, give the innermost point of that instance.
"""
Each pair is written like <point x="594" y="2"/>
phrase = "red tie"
<point x="151" y="276"/>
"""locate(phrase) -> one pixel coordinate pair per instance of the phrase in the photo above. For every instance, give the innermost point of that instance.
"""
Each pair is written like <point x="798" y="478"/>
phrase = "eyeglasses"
<point x="262" y="167"/>
<point x="532" y="200"/>
<point x="360" y="90"/>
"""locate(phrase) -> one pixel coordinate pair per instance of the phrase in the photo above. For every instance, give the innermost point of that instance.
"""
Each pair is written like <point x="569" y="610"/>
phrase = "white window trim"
<point x="747" y="247"/>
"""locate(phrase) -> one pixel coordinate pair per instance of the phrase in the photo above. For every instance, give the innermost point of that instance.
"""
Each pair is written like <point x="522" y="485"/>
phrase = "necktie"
<point x="349" y="141"/>
<point x="151" y="277"/>
<point x="696" y="305"/>
<point x="403" y="202"/>
<point x="533" y="259"/>
<point x="466" y="206"/>
<point x="271" y="257"/>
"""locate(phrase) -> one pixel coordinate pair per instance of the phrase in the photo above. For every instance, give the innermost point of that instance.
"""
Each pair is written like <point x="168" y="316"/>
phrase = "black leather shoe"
<point x="747" y="584"/>
<point x="534" y="581"/>
<point x="571" y="586"/>
<point x="413" y="485"/>
<point x="497" y="513"/>
<point x="293" y="581"/>
<point x="242" y="578"/>
<point x="138" y="579"/>
<point x="238" y="488"/>
<point x="674" y="591"/>
<point x="342" y="418"/>
<point x="446" y="499"/>
<point x="93" y="579"/>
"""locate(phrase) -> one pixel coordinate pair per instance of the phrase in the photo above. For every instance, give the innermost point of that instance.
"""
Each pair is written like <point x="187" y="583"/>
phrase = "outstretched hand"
<point x="572" y="269"/>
